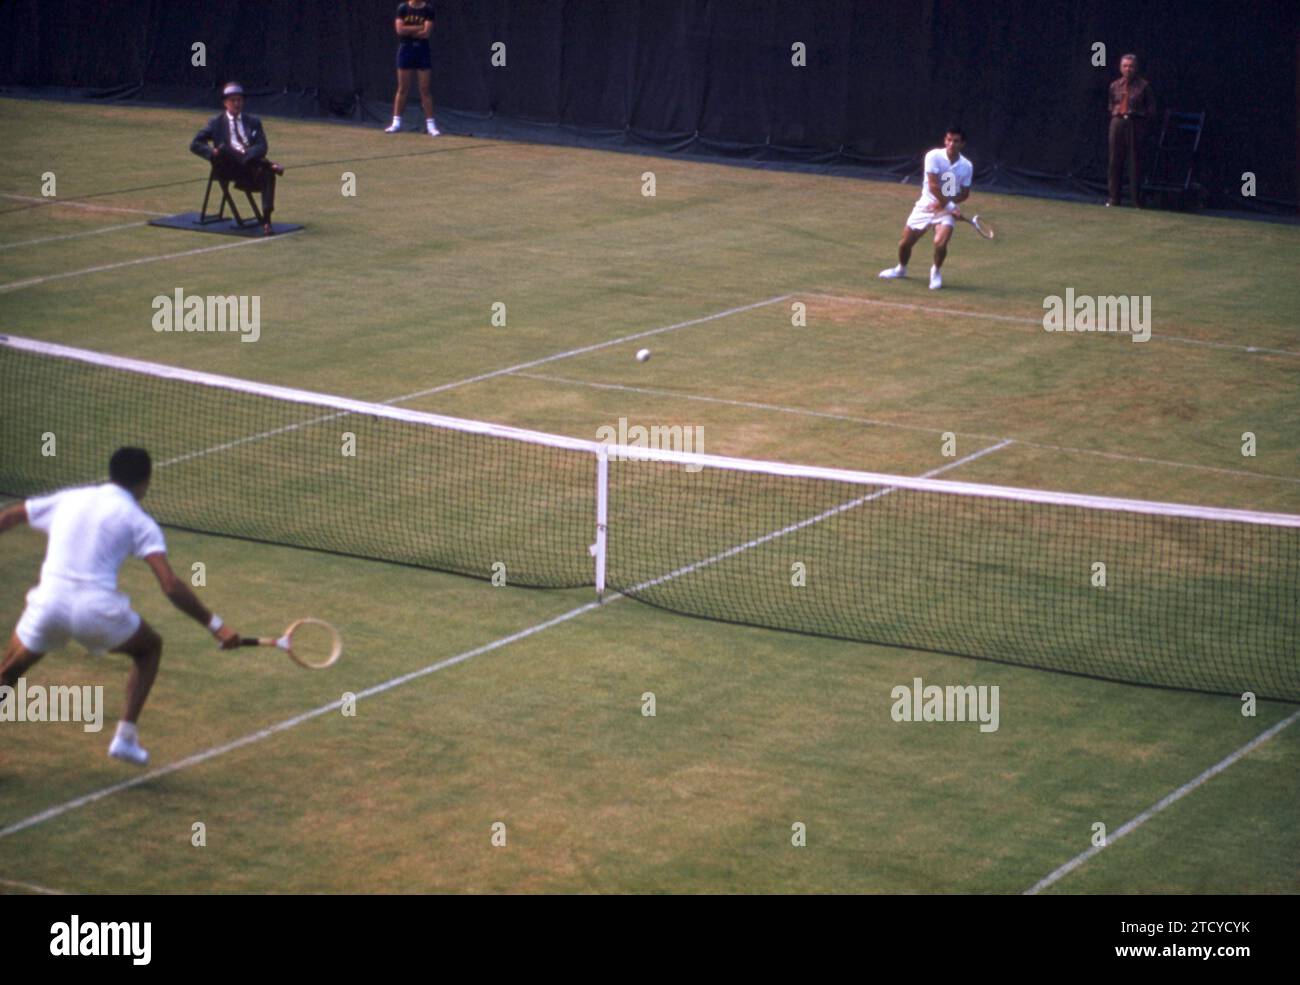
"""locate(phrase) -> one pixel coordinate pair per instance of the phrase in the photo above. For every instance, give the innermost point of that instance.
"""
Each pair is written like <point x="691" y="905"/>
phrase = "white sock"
<point x="127" y="732"/>
<point x="901" y="268"/>
<point x="397" y="121"/>
<point x="428" y="121"/>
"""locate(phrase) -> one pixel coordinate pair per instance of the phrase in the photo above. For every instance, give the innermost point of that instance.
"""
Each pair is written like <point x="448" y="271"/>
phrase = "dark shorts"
<point x="414" y="56"/>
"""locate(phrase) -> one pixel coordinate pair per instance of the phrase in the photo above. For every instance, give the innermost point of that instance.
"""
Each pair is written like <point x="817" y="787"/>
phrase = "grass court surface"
<point x="390" y="293"/>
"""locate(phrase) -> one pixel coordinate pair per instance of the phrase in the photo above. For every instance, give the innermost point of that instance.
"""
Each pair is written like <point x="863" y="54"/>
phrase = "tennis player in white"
<point x="91" y="531"/>
<point x="947" y="182"/>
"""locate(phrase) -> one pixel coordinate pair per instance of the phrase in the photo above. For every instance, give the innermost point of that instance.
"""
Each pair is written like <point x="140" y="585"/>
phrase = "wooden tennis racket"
<point x="310" y="643"/>
<point x="981" y="226"/>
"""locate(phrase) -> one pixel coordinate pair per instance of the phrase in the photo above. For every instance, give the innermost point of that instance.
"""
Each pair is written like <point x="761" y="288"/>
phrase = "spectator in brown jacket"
<point x="1132" y="106"/>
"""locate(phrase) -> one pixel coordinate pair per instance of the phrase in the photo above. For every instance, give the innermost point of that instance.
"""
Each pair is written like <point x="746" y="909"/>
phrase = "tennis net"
<point x="1150" y="593"/>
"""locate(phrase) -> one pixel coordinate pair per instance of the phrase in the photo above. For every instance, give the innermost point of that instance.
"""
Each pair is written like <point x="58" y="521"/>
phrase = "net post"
<point x="602" y="515"/>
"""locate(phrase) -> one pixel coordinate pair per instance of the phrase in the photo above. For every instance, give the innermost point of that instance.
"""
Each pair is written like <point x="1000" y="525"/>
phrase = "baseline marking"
<point x="32" y="281"/>
<point x="81" y="205"/>
<point x="88" y="232"/>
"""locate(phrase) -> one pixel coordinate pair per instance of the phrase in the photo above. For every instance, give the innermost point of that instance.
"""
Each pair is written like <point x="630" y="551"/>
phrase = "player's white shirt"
<point x="937" y="163"/>
<point x="92" y="530"/>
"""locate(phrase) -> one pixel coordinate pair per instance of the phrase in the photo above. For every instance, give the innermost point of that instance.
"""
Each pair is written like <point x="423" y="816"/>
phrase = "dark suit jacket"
<point x="1141" y="100"/>
<point x="216" y="133"/>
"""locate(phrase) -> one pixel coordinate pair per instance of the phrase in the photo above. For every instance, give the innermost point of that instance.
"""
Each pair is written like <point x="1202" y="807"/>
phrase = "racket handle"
<point x="249" y="641"/>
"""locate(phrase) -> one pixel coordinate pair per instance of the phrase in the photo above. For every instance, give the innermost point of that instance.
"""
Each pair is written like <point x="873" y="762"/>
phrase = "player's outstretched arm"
<point x="181" y="596"/>
<point x="13" y="516"/>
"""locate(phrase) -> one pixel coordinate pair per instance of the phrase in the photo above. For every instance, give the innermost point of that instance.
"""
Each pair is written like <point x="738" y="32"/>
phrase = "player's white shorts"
<point x="923" y="218"/>
<point x="98" y="619"/>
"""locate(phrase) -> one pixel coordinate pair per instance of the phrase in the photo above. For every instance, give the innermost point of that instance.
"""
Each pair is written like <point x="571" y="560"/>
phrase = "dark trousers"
<point x="250" y="176"/>
<point x="1125" y="148"/>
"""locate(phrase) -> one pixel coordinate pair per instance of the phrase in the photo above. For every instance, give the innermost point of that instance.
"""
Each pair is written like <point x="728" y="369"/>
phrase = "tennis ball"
<point x="643" y="355"/>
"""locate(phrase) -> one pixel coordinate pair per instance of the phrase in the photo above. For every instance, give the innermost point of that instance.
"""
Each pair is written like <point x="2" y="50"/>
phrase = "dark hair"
<point x="957" y="130"/>
<point x="129" y="467"/>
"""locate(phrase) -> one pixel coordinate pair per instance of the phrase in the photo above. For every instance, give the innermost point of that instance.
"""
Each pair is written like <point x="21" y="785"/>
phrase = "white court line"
<point x="32" y="888"/>
<point x="1156" y="808"/>
<point x="81" y="205"/>
<point x="803" y="412"/>
<point x="1020" y="319"/>
<point x="474" y="379"/>
<point x="590" y="348"/>
<point x="52" y="812"/>
<point x="70" y="805"/>
<point x="32" y="281"/>
<point x="88" y="232"/>
<point x="249" y="439"/>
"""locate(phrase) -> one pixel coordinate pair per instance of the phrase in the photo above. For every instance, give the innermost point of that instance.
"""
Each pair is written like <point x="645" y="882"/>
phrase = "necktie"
<point x="1123" y="103"/>
<point x="237" y="135"/>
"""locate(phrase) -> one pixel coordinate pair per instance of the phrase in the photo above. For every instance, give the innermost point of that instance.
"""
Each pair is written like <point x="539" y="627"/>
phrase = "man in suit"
<point x="235" y="143"/>
<point x="1132" y="105"/>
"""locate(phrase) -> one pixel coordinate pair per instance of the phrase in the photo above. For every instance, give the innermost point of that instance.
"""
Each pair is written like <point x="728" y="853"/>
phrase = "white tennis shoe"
<point x="431" y="128"/>
<point x="394" y="127"/>
<point x="936" y="281"/>
<point x="896" y="271"/>
<point x="129" y="750"/>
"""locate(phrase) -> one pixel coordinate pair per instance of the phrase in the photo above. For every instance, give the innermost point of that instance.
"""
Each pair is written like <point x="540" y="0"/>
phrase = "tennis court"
<point x="480" y="704"/>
